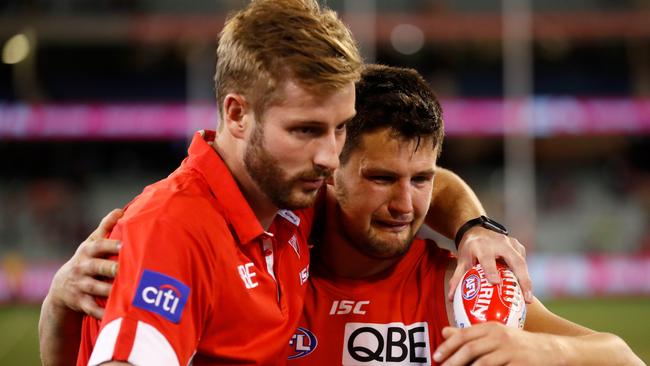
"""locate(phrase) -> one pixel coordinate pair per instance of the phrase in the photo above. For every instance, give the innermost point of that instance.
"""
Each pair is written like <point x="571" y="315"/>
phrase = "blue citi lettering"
<point x="161" y="294"/>
<point x="152" y="295"/>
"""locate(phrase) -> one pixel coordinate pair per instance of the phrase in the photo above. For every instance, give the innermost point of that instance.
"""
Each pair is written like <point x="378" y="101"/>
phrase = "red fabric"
<point x="125" y="339"/>
<point x="412" y="293"/>
<point x="196" y="227"/>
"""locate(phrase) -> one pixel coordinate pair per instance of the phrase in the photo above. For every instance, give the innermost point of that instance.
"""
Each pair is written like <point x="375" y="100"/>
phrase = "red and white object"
<point x="477" y="301"/>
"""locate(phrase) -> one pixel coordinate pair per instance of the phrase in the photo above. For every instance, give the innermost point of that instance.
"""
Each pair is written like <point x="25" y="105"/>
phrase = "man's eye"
<point x="421" y="180"/>
<point x="381" y="179"/>
<point x="305" y="131"/>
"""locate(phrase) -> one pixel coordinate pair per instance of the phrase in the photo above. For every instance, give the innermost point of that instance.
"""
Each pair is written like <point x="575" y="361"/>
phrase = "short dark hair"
<point x="396" y="98"/>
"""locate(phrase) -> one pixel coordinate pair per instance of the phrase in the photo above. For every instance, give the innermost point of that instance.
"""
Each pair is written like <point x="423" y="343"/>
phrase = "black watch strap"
<point x="482" y="220"/>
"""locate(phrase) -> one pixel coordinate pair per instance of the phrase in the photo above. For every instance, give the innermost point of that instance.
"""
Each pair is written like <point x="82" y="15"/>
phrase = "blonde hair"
<point x="272" y="41"/>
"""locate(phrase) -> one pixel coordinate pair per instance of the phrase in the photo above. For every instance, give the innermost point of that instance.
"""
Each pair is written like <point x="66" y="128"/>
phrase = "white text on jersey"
<point x="247" y="275"/>
<point x="348" y="307"/>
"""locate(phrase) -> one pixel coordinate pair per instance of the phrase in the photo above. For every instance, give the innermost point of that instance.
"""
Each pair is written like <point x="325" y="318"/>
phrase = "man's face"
<point x="295" y="148"/>
<point x="384" y="191"/>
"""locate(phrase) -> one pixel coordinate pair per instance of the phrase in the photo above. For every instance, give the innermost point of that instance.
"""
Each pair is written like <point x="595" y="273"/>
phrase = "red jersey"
<point x="200" y="280"/>
<point x="392" y="319"/>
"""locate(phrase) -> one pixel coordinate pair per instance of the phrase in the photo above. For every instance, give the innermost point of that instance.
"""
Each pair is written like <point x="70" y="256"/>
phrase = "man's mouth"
<point x="392" y="225"/>
<point x="313" y="183"/>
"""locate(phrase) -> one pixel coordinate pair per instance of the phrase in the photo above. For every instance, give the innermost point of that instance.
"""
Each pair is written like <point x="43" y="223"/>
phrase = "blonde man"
<point x="205" y="275"/>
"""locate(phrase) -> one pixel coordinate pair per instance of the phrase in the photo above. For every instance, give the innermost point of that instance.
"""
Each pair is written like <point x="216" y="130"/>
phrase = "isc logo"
<point x="386" y="344"/>
<point x="348" y="306"/>
<point x="162" y="295"/>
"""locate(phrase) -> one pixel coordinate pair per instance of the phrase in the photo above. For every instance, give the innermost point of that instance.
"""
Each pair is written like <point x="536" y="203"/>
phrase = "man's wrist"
<point x="482" y="221"/>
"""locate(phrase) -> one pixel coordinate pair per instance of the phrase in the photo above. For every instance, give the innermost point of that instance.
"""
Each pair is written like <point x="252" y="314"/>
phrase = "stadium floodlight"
<point x="16" y="49"/>
<point x="407" y="39"/>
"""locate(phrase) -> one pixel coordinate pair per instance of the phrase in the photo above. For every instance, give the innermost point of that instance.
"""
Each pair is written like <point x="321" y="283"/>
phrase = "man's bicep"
<point x="156" y="308"/>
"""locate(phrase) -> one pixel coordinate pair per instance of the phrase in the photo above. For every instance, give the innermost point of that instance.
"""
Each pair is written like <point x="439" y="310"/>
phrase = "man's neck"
<point x="262" y="207"/>
<point x="337" y="255"/>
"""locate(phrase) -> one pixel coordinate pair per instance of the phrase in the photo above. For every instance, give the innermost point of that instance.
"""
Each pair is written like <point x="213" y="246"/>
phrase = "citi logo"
<point x="161" y="294"/>
<point x="167" y="296"/>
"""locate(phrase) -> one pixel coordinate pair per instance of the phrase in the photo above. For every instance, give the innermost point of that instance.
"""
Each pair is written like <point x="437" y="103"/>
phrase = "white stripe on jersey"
<point x="150" y="347"/>
<point x="105" y="344"/>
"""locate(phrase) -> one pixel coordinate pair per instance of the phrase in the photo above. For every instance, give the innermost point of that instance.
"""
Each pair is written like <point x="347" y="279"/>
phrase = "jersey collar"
<point x="237" y="212"/>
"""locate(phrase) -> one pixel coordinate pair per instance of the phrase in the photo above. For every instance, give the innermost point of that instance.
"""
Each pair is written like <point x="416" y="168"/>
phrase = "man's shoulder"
<point x="183" y="198"/>
<point x="432" y="254"/>
<point x="431" y="246"/>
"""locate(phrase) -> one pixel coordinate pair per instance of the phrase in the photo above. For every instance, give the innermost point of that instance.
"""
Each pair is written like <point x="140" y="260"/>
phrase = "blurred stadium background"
<point x="547" y="106"/>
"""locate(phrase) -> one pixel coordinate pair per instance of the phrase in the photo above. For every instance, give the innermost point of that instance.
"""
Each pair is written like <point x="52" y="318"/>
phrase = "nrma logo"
<point x="302" y="343"/>
<point x="162" y="295"/>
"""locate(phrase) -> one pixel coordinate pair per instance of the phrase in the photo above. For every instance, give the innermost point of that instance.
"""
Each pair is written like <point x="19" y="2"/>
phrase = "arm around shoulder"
<point x="72" y="292"/>
<point x="452" y="203"/>
<point x="576" y="344"/>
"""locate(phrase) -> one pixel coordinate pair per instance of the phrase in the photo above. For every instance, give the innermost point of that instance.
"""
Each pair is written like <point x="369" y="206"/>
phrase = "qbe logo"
<point x="386" y="344"/>
<point x="162" y="295"/>
<point x="471" y="286"/>
<point x="302" y="343"/>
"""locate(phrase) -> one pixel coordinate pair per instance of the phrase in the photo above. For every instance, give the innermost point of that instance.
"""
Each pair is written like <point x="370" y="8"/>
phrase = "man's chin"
<point x="301" y="200"/>
<point x="386" y="248"/>
<point x="389" y="245"/>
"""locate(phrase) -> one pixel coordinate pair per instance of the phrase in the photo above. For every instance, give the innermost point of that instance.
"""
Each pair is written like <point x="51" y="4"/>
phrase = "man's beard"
<point x="369" y="243"/>
<point x="283" y="191"/>
<point x="375" y="247"/>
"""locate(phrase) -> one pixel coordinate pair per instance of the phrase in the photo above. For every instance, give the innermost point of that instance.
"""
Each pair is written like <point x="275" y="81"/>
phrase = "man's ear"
<point x="235" y="108"/>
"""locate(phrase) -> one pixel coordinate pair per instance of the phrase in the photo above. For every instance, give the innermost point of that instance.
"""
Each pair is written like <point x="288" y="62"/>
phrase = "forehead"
<point x="295" y="102"/>
<point x="383" y="149"/>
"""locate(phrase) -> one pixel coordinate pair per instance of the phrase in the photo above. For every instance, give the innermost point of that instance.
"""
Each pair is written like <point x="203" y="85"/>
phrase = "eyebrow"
<point x="317" y="123"/>
<point x="390" y="173"/>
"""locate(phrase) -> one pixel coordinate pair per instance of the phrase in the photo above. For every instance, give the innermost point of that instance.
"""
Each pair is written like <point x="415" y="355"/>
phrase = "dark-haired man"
<point x="376" y="295"/>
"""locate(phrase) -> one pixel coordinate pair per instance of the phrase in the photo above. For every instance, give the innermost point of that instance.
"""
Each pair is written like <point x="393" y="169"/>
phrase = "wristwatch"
<point x="482" y="220"/>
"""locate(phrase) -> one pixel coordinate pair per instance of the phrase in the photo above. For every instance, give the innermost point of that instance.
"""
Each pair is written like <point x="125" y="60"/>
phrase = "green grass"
<point x="19" y="336"/>
<point x="628" y="318"/>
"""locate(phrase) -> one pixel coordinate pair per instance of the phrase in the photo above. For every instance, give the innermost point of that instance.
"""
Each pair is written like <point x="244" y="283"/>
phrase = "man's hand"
<point x="75" y="284"/>
<point x="493" y="343"/>
<point x="485" y="247"/>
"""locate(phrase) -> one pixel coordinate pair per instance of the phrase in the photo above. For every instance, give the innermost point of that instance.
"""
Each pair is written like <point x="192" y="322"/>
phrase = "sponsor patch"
<point x="294" y="244"/>
<point x="302" y="343"/>
<point x="290" y="216"/>
<point x="386" y="344"/>
<point x="161" y="294"/>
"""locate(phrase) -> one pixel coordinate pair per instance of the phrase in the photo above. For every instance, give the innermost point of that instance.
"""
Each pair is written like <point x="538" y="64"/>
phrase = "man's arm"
<point x="72" y="294"/>
<point x="452" y="204"/>
<point x="547" y="339"/>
